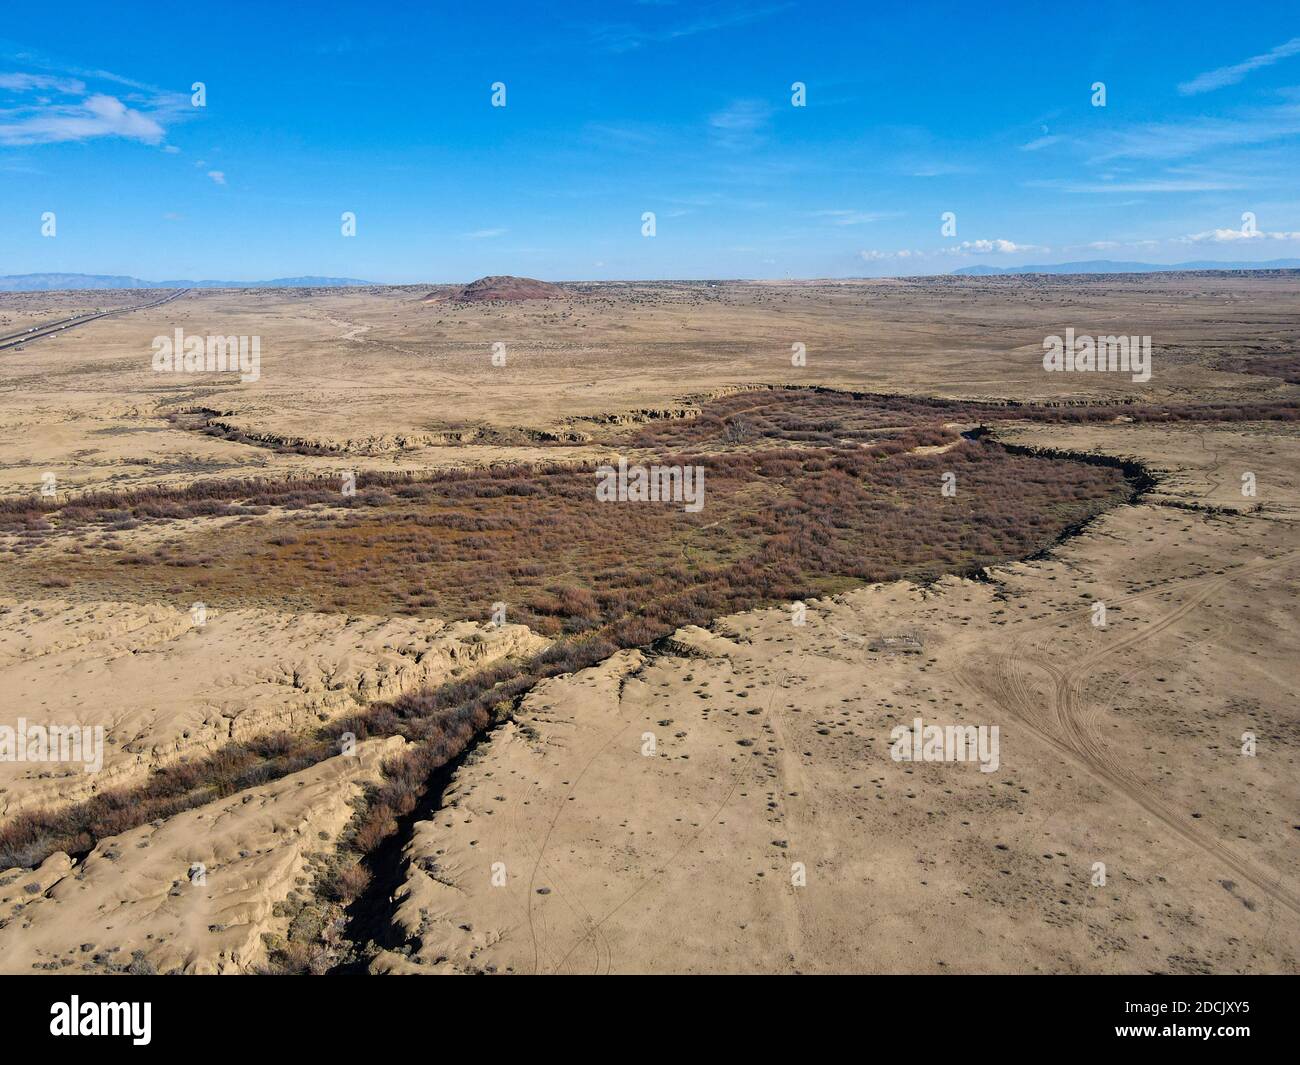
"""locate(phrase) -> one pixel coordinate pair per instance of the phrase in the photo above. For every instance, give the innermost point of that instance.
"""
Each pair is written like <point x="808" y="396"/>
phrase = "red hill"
<point x="505" y="288"/>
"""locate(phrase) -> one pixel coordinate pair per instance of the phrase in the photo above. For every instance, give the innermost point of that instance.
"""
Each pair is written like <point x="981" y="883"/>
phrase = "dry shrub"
<point x="782" y="522"/>
<point x="351" y="882"/>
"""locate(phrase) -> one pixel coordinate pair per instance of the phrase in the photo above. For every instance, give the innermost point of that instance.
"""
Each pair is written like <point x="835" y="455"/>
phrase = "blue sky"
<point x="615" y="109"/>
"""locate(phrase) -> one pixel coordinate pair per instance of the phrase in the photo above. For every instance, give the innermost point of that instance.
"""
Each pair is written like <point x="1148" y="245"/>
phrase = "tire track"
<point x="1070" y="733"/>
<point x="791" y="917"/>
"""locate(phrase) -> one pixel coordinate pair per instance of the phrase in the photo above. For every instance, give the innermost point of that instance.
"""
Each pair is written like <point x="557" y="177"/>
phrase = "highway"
<point x="37" y="332"/>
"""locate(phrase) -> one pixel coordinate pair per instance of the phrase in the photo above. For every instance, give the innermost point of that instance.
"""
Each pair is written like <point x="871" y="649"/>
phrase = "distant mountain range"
<point x="1106" y="266"/>
<point x="47" y="282"/>
<point x="53" y="282"/>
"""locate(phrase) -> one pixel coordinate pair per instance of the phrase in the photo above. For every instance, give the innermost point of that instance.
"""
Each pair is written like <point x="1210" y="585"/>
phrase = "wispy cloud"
<point x="740" y="125"/>
<point x="965" y="248"/>
<point x="42" y="82"/>
<point x="992" y="247"/>
<point x="931" y="168"/>
<point x="874" y="255"/>
<point x="1233" y="236"/>
<point x="485" y="234"/>
<point x="55" y="108"/>
<point x="1111" y="245"/>
<point x="1174" y="140"/>
<point x="1141" y="185"/>
<point x="1217" y="79"/>
<point x="96" y="116"/>
<point x="625" y="37"/>
<point x="217" y="176"/>
<point x="628" y="135"/>
<point x="853" y="218"/>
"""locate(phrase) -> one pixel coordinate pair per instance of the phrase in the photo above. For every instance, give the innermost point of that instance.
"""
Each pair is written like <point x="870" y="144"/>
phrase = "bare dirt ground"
<point x="383" y="379"/>
<point x="164" y="687"/>
<point x="1119" y="745"/>
<point x="767" y="829"/>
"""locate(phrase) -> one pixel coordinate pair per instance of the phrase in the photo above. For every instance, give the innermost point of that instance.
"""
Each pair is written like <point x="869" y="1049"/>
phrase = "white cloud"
<point x="624" y="37"/>
<point x="1229" y="236"/>
<point x="987" y="247"/>
<point x="53" y="109"/>
<point x="740" y="125"/>
<point x="966" y="247"/>
<point x="628" y="135"/>
<point x="218" y="176"/>
<point x="44" y="82"/>
<point x="1173" y="140"/>
<point x="873" y="255"/>
<point x="96" y="116"/>
<point x="1208" y="184"/>
<point x="933" y="170"/>
<point x="1111" y="245"/>
<point x="1040" y="142"/>
<point x="484" y="234"/>
<point x="1217" y="79"/>
<point x="852" y="218"/>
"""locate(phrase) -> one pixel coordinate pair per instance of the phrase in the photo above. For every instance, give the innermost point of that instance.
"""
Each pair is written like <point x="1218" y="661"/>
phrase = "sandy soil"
<point x="196" y="893"/>
<point x="1119" y="745"/>
<point x="771" y="741"/>
<point x="382" y="378"/>
<point x="164" y="687"/>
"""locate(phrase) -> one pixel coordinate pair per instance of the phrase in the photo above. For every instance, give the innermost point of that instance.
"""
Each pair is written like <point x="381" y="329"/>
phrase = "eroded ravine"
<point x="384" y="861"/>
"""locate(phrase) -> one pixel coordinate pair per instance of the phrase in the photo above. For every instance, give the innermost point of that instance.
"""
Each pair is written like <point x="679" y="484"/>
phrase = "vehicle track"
<point x="743" y="774"/>
<point x="593" y="931"/>
<point x="1069" y="727"/>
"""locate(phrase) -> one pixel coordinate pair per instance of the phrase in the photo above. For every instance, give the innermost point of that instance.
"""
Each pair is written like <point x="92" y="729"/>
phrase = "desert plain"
<point x="385" y="688"/>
